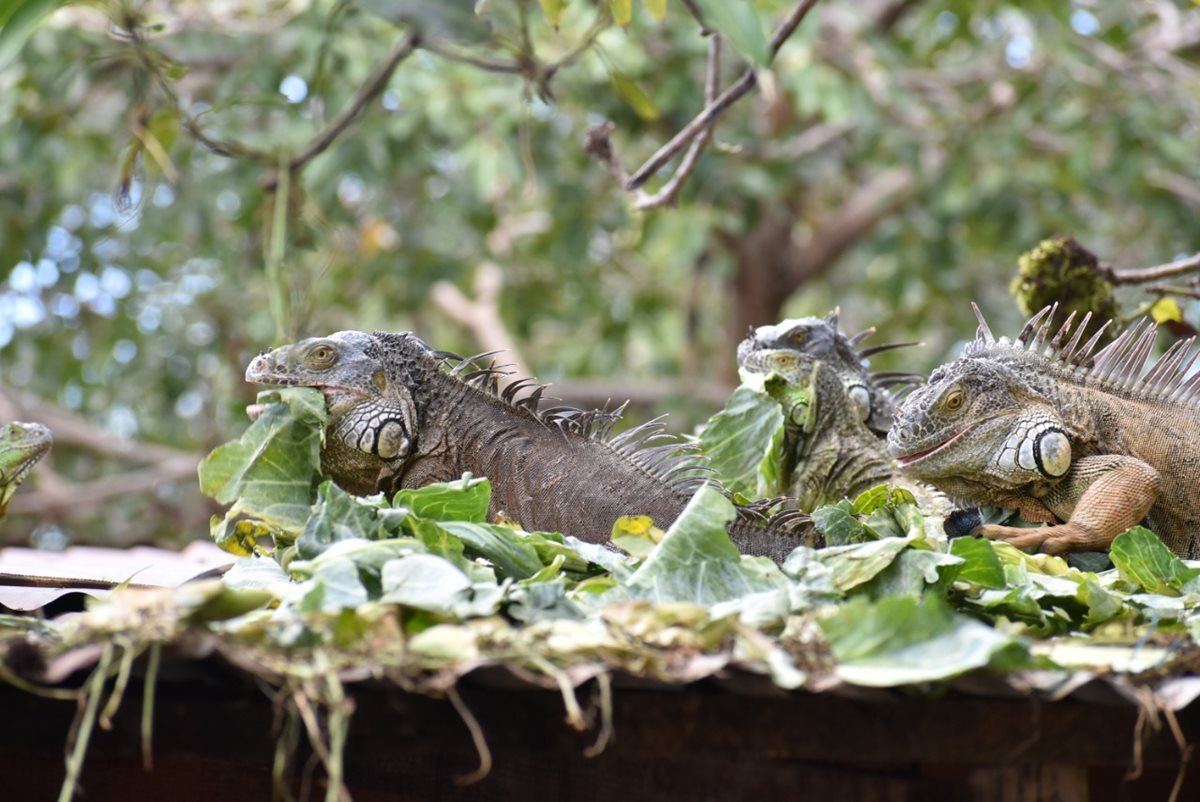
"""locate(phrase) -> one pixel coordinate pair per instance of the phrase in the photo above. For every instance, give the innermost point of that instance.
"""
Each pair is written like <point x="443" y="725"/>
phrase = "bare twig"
<point x="487" y="65"/>
<point x="670" y="190"/>
<point x="717" y="107"/>
<point x="694" y="10"/>
<point x="481" y="314"/>
<point x="368" y="91"/>
<point x="1170" y="289"/>
<point x="1179" y="267"/>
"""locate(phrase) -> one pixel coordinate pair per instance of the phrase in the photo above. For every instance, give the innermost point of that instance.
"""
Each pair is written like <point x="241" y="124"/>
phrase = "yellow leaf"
<point x="634" y="95"/>
<point x="1166" y="310"/>
<point x="657" y="8"/>
<point x="622" y="11"/>
<point x="553" y="9"/>
<point x="636" y="534"/>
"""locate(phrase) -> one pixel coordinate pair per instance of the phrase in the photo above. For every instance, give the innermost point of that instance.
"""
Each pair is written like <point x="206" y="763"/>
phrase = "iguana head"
<point x="977" y="423"/>
<point x="21" y="446"/>
<point x="367" y="382"/>
<point x="819" y="339"/>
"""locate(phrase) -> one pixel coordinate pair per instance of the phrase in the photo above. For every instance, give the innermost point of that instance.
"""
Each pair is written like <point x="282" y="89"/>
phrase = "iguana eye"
<point x="953" y="400"/>
<point x="320" y="357"/>
<point x="798" y="337"/>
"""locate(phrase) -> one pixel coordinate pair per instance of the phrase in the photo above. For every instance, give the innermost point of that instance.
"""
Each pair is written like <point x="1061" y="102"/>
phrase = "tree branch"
<point x="670" y="190"/>
<point x="1179" y="267"/>
<point x="368" y="91"/>
<point x="717" y="107"/>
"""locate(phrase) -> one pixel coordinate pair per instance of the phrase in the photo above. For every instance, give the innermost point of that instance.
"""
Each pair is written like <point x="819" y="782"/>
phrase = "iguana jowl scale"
<point x="404" y="415"/>
<point x="1062" y="431"/>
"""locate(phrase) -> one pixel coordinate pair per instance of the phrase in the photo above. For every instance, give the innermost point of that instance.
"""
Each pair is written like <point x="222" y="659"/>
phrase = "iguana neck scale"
<point x="404" y="415"/>
<point x="1063" y="432"/>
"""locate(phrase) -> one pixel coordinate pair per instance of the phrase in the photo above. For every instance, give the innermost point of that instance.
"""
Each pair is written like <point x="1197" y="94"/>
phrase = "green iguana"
<point x="820" y="338"/>
<point x="828" y="451"/>
<point x="1062" y="432"/>
<point x="404" y="415"/>
<point x="21" y="446"/>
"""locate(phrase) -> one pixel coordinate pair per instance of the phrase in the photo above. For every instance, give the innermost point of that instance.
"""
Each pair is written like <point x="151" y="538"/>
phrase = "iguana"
<point x="829" y="453"/>
<point x="404" y="415"/>
<point x="867" y="392"/>
<point x="21" y="446"/>
<point x="1062" y="432"/>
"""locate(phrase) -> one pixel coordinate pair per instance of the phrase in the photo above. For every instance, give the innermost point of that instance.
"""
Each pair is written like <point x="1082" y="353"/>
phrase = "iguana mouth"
<point x="909" y="459"/>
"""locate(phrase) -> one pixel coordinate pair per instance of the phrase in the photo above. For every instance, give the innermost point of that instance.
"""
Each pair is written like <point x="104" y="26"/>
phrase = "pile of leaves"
<point x="425" y="588"/>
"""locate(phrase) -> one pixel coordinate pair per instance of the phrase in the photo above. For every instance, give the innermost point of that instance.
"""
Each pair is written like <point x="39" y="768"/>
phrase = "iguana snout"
<point x="21" y="446"/>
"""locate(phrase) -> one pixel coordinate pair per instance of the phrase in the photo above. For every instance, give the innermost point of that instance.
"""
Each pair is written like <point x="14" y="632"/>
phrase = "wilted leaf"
<point x="425" y="581"/>
<point x="851" y="566"/>
<point x="337" y="516"/>
<point x="636" y="534"/>
<point x="838" y="525"/>
<point x="511" y="552"/>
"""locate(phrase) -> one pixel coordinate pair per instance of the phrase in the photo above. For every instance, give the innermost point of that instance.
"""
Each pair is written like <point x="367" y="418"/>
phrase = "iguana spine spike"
<point x="1069" y="354"/>
<point x="879" y="349"/>
<point x="862" y="335"/>
<point x="983" y="326"/>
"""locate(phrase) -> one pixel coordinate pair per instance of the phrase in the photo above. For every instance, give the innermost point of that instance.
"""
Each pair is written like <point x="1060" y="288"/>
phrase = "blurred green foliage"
<point x="132" y="258"/>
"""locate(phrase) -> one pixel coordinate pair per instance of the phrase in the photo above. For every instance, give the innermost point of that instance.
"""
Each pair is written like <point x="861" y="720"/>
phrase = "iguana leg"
<point x="1101" y="497"/>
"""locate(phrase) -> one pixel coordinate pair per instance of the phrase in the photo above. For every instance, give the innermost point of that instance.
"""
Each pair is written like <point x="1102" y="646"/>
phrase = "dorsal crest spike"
<point x="1031" y="326"/>
<point x="1069" y="351"/>
<point x="879" y="349"/>
<point x="832" y="317"/>
<point x="862" y="335"/>
<point x="983" y="326"/>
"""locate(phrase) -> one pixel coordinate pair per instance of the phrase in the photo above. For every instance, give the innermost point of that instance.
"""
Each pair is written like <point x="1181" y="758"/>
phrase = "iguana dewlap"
<point x="1066" y="434"/>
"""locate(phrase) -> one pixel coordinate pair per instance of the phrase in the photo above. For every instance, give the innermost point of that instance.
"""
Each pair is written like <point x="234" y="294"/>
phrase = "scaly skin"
<point x="1061" y="434"/>
<point x="21" y="446"/>
<point x="402" y="415"/>
<point x="820" y="339"/>
<point x="830" y="453"/>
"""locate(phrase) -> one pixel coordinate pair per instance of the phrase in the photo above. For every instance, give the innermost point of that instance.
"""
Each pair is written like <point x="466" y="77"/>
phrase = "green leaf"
<point x="633" y="94"/>
<point x="510" y="551"/>
<point x="739" y="22"/>
<point x="740" y="438"/>
<point x="838" y="525"/>
<point x="338" y="516"/>
<point x="853" y="565"/>
<point x="1143" y="559"/>
<point x="912" y="573"/>
<point x="19" y="21"/>
<point x="424" y="581"/>
<point x="980" y="563"/>
<point x="268" y="472"/>
<point x="465" y="499"/>
<point x="902" y="640"/>
<point x="697" y="562"/>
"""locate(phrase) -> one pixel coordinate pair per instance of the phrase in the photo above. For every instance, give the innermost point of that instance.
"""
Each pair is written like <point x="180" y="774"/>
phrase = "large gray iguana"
<point x="21" y="446"/>
<point x="1063" y="432"/>
<point x="404" y="415"/>
<point x="828" y="451"/>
